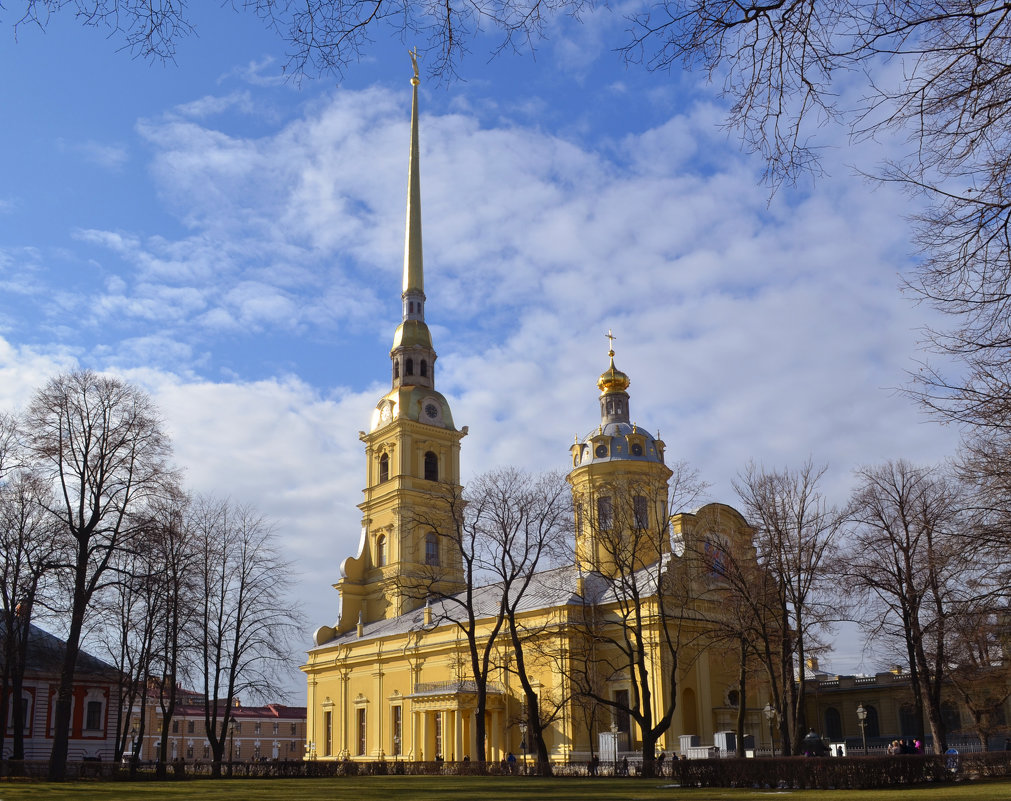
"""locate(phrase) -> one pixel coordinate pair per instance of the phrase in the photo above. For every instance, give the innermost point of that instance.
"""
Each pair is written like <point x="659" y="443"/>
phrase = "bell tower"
<point x="412" y="452"/>
<point x="619" y="485"/>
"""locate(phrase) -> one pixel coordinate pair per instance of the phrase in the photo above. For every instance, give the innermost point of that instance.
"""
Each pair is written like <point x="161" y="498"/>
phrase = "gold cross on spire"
<point x="610" y="342"/>
<point x="414" y="61"/>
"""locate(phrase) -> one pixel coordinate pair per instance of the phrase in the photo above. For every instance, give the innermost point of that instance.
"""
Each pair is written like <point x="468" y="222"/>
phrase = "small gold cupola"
<point x="613" y="385"/>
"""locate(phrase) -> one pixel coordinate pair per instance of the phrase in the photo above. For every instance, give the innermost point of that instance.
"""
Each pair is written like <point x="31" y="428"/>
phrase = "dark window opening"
<point x="93" y="720"/>
<point x="431" y="466"/>
<point x="621" y="718"/>
<point x="605" y="514"/>
<point x="833" y="723"/>
<point x="380" y="552"/>
<point x="396" y="369"/>
<point x="384" y="467"/>
<point x="424" y="369"/>
<point x="640" y="509"/>
<point x="409" y="367"/>
<point x="432" y="550"/>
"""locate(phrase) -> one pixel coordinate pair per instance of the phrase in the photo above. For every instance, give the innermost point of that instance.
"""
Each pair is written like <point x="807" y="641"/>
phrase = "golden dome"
<point x="612" y="379"/>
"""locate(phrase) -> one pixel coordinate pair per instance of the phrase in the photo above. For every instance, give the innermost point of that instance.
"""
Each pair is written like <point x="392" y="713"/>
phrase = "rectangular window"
<point x="175" y="727"/>
<point x="605" y="514"/>
<point x="189" y="752"/>
<point x="328" y="733"/>
<point x="207" y="750"/>
<point x="276" y="725"/>
<point x="438" y="734"/>
<point x="294" y="728"/>
<point x="432" y="550"/>
<point x="93" y="719"/>
<point x="640" y="509"/>
<point x="190" y="726"/>
<point x="291" y="746"/>
<point x="361" y="730"/>
<point x="396" y="728"/>
<point x="256" y="728"/>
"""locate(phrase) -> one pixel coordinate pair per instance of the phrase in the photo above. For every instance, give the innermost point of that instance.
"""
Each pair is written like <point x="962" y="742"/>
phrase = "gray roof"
<point x="548" y="589"/>
<point x="46" y="653"/>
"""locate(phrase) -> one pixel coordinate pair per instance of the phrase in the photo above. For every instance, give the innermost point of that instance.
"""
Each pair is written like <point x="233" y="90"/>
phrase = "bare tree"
<point x="795" y="529"/>
<point x="245" y="621"/>
<point x="980" y="674"/>
<point x="477" y="613"/>
<point x="636" y="625"/>
<point x="506" y="527"/>
<point x="527" y="520"/>
<point x="100" y="441"/>
<point x="30" y="550"/>
<point x="910" y="563"/>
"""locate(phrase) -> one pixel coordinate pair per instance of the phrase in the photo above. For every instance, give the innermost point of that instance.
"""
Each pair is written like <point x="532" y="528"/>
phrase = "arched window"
<point x="409" y="367"/>
<point x="396" y="369"/>
<point x="431" y="550"/>
<point x="424" y="368"/>
<point x="381" y="551"/>
<point x="872" y="728"/>
<point x="384" y="467"/>
<point x="431" y="466"/>
<point x="833" y="724"/>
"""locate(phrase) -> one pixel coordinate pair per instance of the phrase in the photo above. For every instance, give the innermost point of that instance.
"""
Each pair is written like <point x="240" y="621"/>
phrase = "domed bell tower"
<point x="619" y="485"/>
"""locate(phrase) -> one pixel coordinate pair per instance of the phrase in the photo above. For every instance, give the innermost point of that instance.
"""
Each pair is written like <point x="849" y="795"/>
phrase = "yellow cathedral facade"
<point x="390" y="680"/>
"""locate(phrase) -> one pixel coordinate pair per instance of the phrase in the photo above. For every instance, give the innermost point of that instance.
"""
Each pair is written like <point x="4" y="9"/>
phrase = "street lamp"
<point x="771" y="714"/>
<point x="862" y="719"/>
<point x="523" y="744"/>
<point x="232" y="726"/>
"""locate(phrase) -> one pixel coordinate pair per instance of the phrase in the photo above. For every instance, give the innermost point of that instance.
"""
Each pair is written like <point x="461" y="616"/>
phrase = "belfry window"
<point x="431" y="466"/>
<point x="605" y="514"/>
<point x="640" y="510"/>
<point x="409" y="367"/>
<point x="384" y="468"/>
<point x="424" y="368"/>
<point x="396" y="369"/>
<point x="432" y="550"/>
<point x="381" y="551"/>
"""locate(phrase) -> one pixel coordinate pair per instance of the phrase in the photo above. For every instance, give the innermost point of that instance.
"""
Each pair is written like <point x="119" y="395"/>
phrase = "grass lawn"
<point x="430" y="788"/>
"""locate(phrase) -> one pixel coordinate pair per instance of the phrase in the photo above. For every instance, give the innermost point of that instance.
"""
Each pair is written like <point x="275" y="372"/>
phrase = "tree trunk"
<point x="65" y="693"/>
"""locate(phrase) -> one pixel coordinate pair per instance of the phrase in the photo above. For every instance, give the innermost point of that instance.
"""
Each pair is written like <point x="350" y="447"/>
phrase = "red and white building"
<point x="96" y="700"/>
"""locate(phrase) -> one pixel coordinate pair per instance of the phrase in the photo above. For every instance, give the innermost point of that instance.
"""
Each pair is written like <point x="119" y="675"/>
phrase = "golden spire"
<point x="413" y="269"/>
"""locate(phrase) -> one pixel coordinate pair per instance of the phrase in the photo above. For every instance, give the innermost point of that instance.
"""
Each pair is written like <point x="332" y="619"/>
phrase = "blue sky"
<point x="233" y="243"/>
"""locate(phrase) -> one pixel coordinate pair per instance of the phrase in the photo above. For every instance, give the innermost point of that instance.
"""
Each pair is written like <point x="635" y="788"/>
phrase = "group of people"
<point x="896" y="747"/>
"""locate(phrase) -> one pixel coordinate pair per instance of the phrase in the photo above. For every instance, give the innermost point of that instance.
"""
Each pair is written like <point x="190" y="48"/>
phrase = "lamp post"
<point x="862" y="719"/>
<point x="232" y="726"/>
<point x="523" y="745"/>
<point x="771" y="714"/>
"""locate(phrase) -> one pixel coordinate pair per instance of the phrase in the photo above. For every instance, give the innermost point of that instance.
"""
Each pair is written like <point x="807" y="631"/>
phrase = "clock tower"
<point x="412" y="452"/>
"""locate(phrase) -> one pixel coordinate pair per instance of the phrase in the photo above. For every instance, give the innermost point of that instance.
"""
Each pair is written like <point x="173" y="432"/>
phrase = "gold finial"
<point x="610" y="343"/>
<point x="612" y="379"/>
<point x="414" y="60"/>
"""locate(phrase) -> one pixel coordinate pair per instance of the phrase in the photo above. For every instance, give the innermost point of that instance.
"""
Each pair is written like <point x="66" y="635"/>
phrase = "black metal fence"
<point x="852" y="772"/>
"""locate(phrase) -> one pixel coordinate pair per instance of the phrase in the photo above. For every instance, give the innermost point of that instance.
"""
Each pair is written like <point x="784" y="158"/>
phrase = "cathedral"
<point x="390" y="680"/>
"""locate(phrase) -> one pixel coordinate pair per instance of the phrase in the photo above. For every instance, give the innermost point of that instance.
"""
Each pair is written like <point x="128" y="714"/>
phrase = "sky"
<point x="232" y="242"/>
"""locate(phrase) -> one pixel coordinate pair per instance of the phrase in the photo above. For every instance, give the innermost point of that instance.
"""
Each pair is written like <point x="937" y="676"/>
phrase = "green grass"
<point x="430" y="788"/>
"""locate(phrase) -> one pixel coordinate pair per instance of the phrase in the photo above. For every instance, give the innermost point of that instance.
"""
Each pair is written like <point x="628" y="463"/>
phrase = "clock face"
<point x="431" y="410"/>
<point x="385" y="415"/>
<point x="601" y="451"/>
<point x="637" y="449"/>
